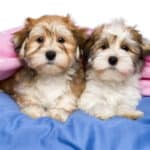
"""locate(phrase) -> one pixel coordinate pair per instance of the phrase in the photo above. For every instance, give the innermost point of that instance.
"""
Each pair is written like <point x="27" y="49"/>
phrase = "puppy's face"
<point x="48" y="44"/>
<point x="116" y="51"/>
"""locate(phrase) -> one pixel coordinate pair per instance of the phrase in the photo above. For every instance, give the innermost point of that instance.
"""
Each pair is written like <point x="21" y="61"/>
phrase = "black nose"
<point x="112" y="60"/>
<point x="50" y="55"/>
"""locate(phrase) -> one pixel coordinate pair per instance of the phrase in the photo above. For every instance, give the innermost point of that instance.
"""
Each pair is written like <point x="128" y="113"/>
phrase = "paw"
<point x="59" y="114"/>
<point x="103" y="113"/>
<point x="105" y="116"/>
<point x="66" y="104"/>
<point x="134" y="114"/>
<point x="34" y="112"/>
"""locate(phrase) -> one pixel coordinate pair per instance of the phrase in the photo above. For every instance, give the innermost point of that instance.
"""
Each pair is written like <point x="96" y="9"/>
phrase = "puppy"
<point x="47" y="85"/>
<point x="114" y="54"/>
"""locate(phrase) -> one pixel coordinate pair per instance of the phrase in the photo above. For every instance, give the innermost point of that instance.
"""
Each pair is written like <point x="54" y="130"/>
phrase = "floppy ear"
<point x="20" y="36"/>
<point x="90" y="42"/>
<point x="80" y="34"/>
<point x="146" y="47"/>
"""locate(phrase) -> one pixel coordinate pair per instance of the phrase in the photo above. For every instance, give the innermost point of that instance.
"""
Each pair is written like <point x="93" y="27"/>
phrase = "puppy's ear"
<point x="20" y="36"/>
<point x="145" y="47"/>
<point x="80" y="34"/>
<point x="94" y="35"/>
<point x="68" y="19"/>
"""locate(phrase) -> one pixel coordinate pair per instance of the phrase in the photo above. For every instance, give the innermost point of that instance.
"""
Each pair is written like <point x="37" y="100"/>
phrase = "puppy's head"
<point x="48" y="44"/>
<point x="116" y="51"/>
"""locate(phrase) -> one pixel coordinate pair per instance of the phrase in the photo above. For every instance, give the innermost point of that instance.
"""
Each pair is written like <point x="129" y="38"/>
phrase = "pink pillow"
<point x="9" y="61"/>
<point x="146" y="69"/>
<point x="145" y="79"/>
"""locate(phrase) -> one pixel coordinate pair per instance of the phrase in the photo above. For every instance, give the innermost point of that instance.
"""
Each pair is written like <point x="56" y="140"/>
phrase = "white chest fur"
<point x="45" y="90"/>
<point x="104" y="96"/>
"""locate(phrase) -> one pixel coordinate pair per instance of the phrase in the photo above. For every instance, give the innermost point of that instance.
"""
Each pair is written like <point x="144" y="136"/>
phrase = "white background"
<point x="84" y="12"/>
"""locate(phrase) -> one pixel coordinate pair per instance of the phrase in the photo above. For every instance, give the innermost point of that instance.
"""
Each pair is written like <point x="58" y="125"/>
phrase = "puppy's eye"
<point x="104" y="46"/>
<point x="40" y="39"/>
<point x="61" y="40"/>
<point x="125" y="47"/>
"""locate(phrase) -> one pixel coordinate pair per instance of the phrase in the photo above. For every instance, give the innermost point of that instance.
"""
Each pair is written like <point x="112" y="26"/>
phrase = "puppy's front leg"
<point x="34" y="111"/>
<point x="95" y="105"/>
<point x="30" y="106"/>
<point x="127" y="108"/>
<point x="65" y="105"/>
<point x="128" y="111"/>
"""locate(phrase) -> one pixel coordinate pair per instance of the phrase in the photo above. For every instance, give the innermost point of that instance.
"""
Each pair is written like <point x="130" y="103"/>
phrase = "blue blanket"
<point x="80" y="132"/>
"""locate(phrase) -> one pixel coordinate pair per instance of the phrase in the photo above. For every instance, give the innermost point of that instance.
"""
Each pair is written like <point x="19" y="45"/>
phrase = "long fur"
<point x="46" y="87"/>
<point x="113" y="89"/>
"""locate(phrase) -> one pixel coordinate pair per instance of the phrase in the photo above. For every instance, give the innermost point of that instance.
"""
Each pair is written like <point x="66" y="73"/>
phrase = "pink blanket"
<point x="145" y="79"/>
<point x="8" y="58"/>
<point x="9" y="61"/>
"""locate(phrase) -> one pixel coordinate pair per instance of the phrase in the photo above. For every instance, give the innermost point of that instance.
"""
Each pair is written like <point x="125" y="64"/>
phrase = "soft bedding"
<point x="79" y="132"/>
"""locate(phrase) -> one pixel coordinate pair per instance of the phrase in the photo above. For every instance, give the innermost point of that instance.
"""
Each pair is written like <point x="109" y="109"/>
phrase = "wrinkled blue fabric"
<point x="79" y="132"/>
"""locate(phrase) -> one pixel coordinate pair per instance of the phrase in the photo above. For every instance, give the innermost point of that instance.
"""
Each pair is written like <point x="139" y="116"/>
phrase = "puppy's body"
<point x="105" y="99"/>
<point x="44" y="86"/>
<point x="44" y="95"/>
<point x="115" y="57"/>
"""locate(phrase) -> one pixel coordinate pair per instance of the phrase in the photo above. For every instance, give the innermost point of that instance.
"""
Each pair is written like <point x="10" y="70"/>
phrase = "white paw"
<point x="59" y="114"/>
<point x="105" y="114"/>
<point x="34" y="112"/>
<point x="132" y="114"/>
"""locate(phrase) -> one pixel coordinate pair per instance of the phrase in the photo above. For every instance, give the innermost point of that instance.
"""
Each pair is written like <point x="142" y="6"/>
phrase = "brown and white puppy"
<point x="115" y="57"/>
<point x="47" y="85"/>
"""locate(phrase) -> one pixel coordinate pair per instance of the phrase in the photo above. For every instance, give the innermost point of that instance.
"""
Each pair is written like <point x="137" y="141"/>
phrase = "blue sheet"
<point x="80" y="132"/>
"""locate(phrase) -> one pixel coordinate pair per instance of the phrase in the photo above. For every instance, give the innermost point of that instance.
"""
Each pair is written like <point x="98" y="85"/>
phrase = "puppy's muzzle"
<point x="112" y="60"/>
<point x="50" y="55"/>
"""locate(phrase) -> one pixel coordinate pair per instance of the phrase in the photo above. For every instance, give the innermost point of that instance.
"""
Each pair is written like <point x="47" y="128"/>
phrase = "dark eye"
<point x="104" y="46"/>
<point x="125" y="47"/>
<point x="61" y="40"/>
<point x="40" y="39"/>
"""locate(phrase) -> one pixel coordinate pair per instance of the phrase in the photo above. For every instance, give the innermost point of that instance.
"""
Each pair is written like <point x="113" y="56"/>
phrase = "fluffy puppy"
<point x="47" y="85"/>
<point x="114" y="55"/>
